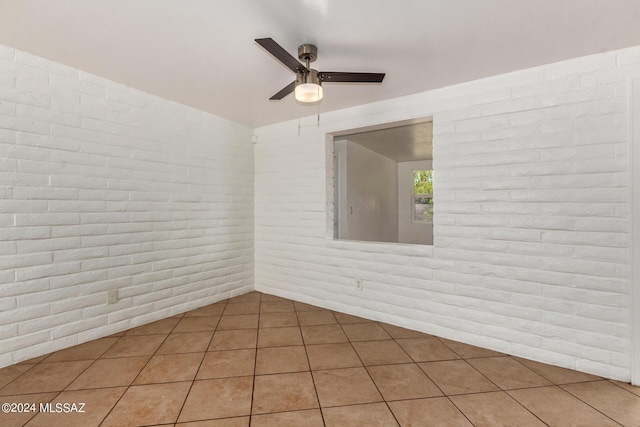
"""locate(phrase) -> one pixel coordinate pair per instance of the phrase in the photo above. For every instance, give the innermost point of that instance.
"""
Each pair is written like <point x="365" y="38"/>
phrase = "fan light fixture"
<point x="308" y="87"/>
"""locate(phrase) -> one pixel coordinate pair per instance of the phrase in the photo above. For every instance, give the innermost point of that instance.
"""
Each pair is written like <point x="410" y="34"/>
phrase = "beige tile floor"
<point x="261" y="360"/>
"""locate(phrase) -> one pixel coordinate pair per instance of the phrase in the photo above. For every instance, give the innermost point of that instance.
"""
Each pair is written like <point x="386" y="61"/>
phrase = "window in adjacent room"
<point x="423" y="196"/>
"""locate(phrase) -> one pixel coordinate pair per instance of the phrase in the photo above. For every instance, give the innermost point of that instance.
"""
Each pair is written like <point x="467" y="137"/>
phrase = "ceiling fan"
<point x="308" y="83"/>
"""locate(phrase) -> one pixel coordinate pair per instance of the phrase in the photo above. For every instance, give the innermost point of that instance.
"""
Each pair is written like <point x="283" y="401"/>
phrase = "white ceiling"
<point x="201" y="52"/>
<point x="400" y="143"/>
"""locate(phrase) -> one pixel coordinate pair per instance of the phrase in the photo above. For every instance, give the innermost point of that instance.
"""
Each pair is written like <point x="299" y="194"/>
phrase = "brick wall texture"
<point x="531" y="226"/>
<point x="103" y="187"/>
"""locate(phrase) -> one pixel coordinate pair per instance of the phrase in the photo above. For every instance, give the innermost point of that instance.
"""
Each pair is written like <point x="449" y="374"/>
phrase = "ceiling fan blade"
<point x="332" y="76"/>
<point x="282" y="55"/>
<point x="284" y="92"/>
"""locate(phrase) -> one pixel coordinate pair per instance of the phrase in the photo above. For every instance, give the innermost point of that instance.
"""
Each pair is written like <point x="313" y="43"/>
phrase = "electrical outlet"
<point x="112" y="296"/>
<point x="359" y="284"/>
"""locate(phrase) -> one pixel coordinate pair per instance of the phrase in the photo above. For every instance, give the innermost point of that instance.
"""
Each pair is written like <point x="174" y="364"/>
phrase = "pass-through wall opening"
<point x="383" y="183"/>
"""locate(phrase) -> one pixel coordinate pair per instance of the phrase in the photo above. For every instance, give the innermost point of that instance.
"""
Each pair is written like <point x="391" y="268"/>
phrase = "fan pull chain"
<point x="318" y="123"/>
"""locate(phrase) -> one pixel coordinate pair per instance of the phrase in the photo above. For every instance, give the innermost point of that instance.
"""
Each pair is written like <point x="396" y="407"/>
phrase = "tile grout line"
<point x="587" y="403"/>
<point x="473" y="367"/>
<point x="368" y="373"/>
<point x="445" y="395"/>
<point x="142" y="369"/>
<point x="552" y="384"/>
<point x="611" y="382"/>
<point x="255" y="361"/>
<point x="313" y="380"/>
<point x="527" y="409"/>
<point x="90" y="365"/>
<point x="201" y="361"/>
<point x="205" y="354"/>
<point x="19" y="375"/>
<point x="50" y="354"/>
<point x="500" y="389"/>
<point x="58" y="393"/>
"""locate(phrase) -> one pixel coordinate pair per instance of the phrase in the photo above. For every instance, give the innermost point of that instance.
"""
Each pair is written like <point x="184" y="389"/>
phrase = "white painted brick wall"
<point x="105" y="187"/>
<point x="531" y="217"/>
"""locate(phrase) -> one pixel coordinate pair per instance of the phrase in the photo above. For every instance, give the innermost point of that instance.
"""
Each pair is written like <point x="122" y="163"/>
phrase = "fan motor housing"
<point x="310" y="77"/>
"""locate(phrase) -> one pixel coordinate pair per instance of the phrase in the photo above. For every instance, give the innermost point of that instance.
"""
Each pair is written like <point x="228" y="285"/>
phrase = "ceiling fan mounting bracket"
<point x="307" y="52"/>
